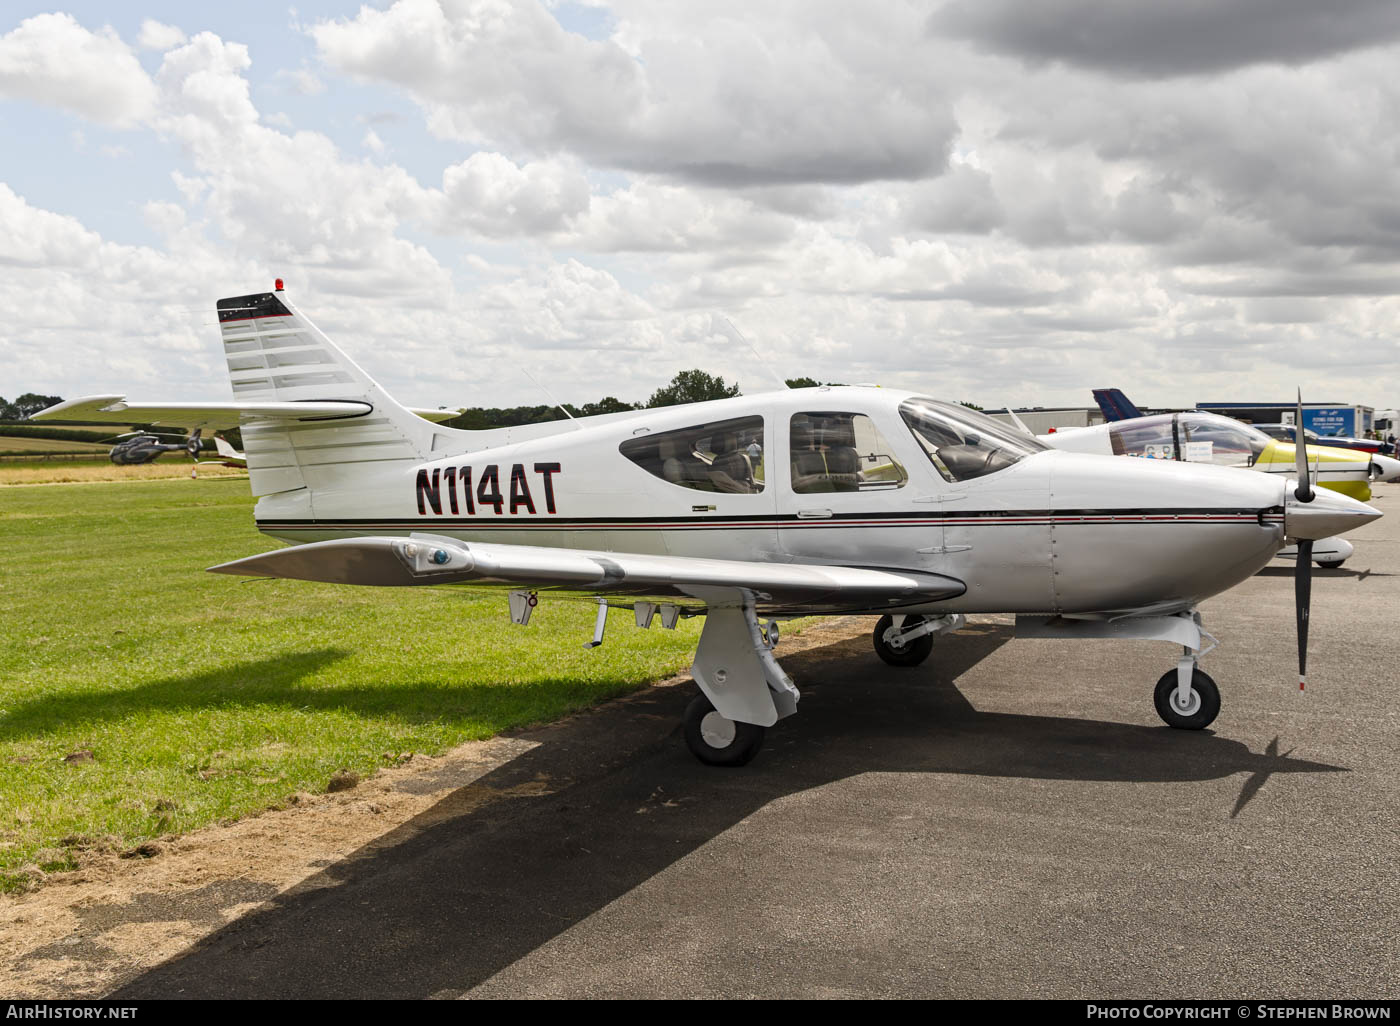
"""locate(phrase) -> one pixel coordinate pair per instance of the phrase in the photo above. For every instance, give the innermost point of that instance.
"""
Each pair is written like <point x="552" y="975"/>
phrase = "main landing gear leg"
<point x="744" y="690"/>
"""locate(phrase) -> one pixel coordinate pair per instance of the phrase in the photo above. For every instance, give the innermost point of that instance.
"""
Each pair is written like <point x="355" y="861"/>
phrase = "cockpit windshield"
<point x="1192" y="437"/>
<point x="1209" y="438"/>
<point x="963" y="444"/>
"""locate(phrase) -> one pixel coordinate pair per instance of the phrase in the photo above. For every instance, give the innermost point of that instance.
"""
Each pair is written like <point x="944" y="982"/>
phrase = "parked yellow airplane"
<point x="1194" y="437"/>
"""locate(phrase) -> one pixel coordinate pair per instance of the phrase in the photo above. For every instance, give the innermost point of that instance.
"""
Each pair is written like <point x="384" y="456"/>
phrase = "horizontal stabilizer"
<point x="433" y="559"/>
<point x="114" y="409"/>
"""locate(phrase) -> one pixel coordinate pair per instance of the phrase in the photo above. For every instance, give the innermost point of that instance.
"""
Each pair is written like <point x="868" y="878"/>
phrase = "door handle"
<point x="813" y="514"/>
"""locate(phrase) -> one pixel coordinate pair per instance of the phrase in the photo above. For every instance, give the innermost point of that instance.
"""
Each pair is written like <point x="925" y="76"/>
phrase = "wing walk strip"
<point x="968" y="519"/>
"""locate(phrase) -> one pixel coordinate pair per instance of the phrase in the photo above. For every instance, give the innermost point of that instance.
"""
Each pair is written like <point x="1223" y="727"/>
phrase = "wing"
<point x="422" y="559"/>
<point x="114" y="409"/>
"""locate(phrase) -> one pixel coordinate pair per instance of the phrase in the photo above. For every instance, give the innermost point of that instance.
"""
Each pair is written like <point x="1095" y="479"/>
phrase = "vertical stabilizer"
<point x="1115" y="405"/>
<point x="274" y="352"/>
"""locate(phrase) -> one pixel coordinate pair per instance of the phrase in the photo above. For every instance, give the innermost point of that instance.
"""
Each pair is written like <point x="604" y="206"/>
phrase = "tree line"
<point x="689" y="386"/>
<point x="26" y="405"/>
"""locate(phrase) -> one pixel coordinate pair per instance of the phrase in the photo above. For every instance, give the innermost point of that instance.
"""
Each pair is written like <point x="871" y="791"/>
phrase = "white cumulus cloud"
<point x="157" y="35"/>
<point x="53" y="60"/>
<point x="701" y="94"/>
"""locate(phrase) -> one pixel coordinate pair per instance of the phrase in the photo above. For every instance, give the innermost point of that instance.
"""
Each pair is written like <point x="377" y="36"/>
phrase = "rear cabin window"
<point x="841" y="452"/>
<point x="721" y="456"/>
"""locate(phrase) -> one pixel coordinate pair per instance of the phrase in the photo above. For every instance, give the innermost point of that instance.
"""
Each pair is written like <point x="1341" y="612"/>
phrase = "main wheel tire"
<point x="717" y="740"/>
<point x="1330" y="564"/>
<point x="1204" y="706"/>
<point x="911" y="654"/>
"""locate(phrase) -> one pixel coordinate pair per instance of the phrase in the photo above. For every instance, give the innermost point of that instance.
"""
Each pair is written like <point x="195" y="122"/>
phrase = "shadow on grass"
<point x="444" y="902"/>
<point x="276" y="681"/>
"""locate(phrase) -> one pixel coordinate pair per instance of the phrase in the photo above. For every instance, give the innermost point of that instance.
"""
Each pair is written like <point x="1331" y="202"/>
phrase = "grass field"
<point x="203" y="697"/>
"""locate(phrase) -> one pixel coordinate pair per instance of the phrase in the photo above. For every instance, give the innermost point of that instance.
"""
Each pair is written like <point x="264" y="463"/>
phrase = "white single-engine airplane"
<point x="816" y="500"/>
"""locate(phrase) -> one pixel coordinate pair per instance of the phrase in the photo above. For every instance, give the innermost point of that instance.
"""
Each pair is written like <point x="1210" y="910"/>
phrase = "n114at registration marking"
<point x="457" y="481"/>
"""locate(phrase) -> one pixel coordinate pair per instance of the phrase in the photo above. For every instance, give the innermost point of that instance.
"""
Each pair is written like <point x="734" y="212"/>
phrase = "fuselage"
<point x="849" y="476"/>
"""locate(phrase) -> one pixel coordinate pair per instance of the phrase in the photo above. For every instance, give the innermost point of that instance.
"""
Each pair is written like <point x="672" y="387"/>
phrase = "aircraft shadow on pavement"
<point x="1322" y="573"/>
<point x="472" y="885"/>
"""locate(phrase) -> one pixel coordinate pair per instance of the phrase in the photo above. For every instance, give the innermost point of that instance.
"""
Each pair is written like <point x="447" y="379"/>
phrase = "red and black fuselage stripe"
<point x="961" y="518"/>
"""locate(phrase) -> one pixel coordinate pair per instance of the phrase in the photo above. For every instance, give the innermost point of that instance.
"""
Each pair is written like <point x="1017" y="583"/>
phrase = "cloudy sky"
<point x="988" y="200"/>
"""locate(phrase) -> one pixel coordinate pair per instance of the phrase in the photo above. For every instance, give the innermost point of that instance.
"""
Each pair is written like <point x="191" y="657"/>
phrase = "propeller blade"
<point x="1300" y="450"/>
<point x="1302" y="595"/>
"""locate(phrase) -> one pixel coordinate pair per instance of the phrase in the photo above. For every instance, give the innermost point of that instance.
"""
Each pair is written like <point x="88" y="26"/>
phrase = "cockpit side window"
<point x="721" y="456"/>
<point x="841" y="452"/>
<point x="963" y="444"/>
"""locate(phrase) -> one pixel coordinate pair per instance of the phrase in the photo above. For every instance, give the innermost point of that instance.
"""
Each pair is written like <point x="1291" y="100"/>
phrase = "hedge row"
<point x="61" y="434"/>
<point x="78" y="434"/>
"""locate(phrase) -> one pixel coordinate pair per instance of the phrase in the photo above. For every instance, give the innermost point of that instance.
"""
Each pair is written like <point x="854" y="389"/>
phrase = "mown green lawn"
<point x="204" y="697"/>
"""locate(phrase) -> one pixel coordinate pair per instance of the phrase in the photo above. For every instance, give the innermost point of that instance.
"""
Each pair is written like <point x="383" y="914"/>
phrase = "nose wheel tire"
<point x="1330" y="564"/>
<point x="717" y="740"/>
<point x="911" y="653"/>
<point x="1198" y="713"/>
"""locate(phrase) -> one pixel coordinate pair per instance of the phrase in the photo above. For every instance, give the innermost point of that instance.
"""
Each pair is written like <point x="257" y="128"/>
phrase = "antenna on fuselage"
<point x="1019" y="423"/>
<point x="550" y="395"/>
<point x="735" y="334"/>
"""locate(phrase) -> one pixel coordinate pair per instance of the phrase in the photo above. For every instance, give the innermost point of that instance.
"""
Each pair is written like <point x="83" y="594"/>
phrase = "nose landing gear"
<point x="907" y="640"/>
<point x="1194" y="711"/>
<point x="1185" y="696"/>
